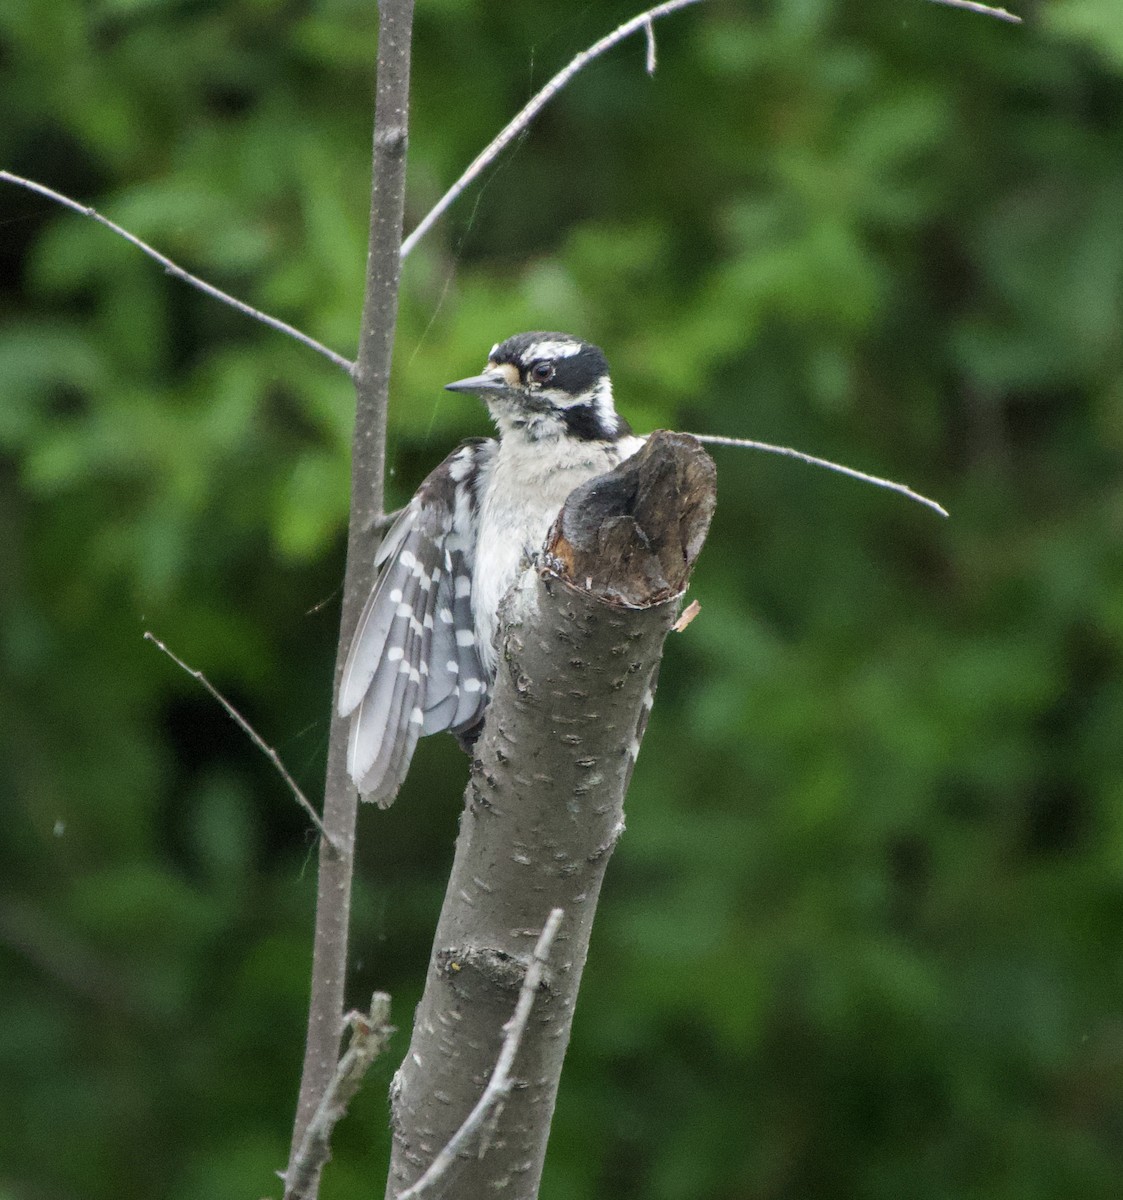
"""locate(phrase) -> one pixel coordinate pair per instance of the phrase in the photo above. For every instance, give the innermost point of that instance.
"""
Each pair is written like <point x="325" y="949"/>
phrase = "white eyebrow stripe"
<point x="552" y="349"/>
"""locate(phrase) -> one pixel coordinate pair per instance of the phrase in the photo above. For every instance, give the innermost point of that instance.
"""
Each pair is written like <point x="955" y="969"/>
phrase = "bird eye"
<point x="541" y="371"/>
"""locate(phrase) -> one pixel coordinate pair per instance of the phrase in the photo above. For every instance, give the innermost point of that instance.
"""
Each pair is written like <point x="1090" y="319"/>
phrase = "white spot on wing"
<point x="460" y="466"/>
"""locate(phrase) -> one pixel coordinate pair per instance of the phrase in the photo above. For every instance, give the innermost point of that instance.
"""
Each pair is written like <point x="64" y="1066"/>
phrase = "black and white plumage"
<point x="423" y="656"/>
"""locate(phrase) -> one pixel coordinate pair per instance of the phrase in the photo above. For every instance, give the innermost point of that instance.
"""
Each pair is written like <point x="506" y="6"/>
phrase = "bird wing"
<point x="413" y="666"/>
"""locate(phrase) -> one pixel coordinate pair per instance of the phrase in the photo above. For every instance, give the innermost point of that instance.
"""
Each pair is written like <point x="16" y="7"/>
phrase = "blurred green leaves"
<point x="862" y="937"/>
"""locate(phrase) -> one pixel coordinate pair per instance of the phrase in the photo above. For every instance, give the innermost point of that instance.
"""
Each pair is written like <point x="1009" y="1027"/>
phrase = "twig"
<point x="714" y="440"/>
<point x="251" y="733"/>
<point x="500" y="1083"/>
<point x="370" y="1033"/>
<point x="534" y="106"/>
<point x="383" y="521"/>
<point x="31" y="933"/>
<point x="177" y="271"/>
<point x="985" y="10"/>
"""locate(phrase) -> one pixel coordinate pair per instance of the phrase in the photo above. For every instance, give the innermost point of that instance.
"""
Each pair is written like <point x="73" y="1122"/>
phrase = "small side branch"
<point x="177" y="271"/>
<point x="714" y="439"/>
<point x="252" y="734"/>
<point x="501" y="1082"/>
<point x="649" y="38"/>
<point x="370" y="1033"/>
<point x="985" y="10"/>
<point x="538" y="102"/>
<point x="108" y="985"/>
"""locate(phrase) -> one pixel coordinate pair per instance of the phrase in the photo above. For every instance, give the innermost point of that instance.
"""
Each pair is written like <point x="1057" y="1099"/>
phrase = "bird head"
<point x="548" y="385"/>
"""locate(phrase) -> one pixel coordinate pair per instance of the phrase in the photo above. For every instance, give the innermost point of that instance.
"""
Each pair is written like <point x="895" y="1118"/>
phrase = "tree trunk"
<point x="580" y="641"/>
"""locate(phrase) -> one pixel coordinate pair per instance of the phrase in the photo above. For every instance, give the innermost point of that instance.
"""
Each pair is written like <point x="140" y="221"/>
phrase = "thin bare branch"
<point x="985" y="10"/>
<point x="744" y="443"/>
<point x="371" y="376"/>
<point x="251" y="733"/>
<point x="500" y="1083"/>
<point x="534" y="106"/>
<point x="177" y="271"/>
<point x="370" y="1033"/>
<point x="30" y="932"/>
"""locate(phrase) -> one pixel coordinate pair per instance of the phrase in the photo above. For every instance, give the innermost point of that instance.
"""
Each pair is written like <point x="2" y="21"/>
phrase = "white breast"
<point x="529" y="483"/>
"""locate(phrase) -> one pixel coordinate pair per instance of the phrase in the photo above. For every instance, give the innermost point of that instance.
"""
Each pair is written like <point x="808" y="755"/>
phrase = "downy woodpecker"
<point x="423" y="655"/>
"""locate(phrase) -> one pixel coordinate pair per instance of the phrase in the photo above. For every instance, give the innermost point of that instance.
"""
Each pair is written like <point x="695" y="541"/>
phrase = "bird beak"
<point x="489" y="381"/>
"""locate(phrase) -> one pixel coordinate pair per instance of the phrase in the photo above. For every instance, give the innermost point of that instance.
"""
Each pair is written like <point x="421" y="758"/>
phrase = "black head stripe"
<point x="587" y="423"/>
<point x="580" y="372"/>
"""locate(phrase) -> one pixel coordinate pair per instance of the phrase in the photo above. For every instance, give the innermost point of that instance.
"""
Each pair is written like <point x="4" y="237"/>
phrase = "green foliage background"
<point x="864" y="936"/>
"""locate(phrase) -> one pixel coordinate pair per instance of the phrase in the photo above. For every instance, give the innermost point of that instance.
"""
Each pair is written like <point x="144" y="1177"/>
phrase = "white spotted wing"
<point x="413" y="667"/>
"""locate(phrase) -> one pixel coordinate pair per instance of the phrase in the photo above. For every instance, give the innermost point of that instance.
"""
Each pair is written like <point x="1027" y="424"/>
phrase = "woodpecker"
<point x="423" y="655"/>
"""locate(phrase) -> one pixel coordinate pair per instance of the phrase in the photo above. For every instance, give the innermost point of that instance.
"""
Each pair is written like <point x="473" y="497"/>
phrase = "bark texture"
<point x="580" y="642"/>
